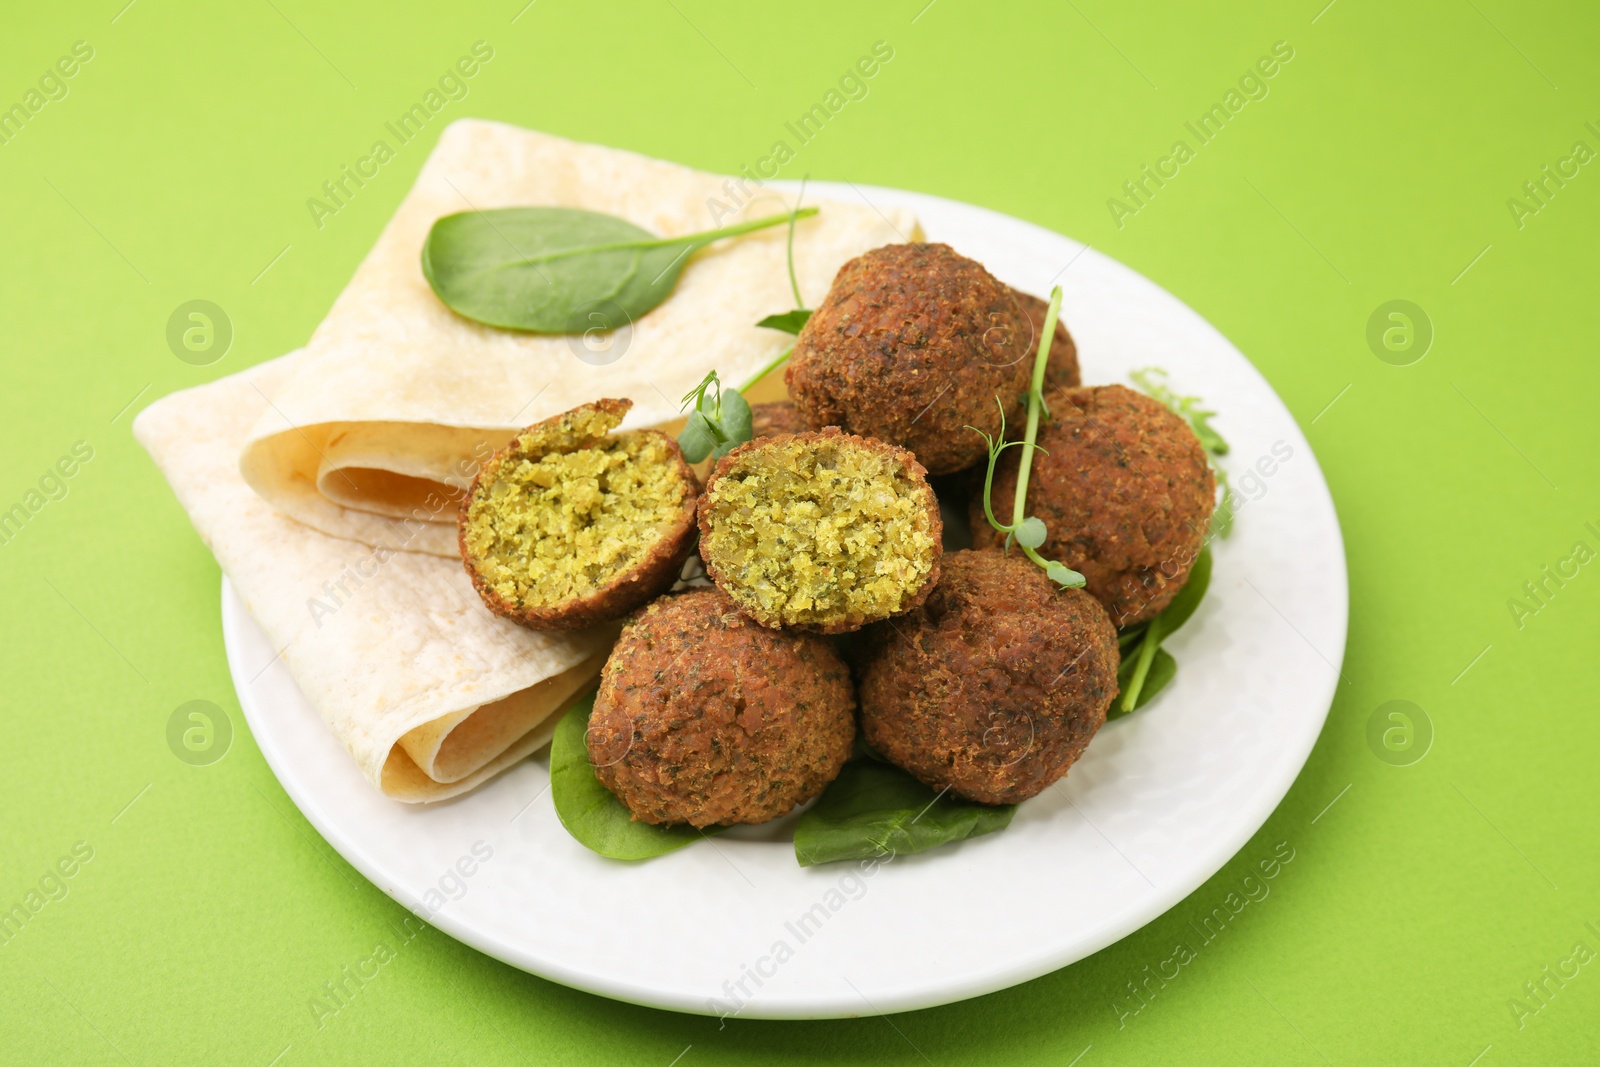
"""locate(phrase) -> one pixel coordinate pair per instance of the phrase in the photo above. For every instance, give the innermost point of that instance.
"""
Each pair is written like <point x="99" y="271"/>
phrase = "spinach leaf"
<point x="1222" y="516"/>
<point x="788" y="321"/>
<point x="559" y="270"/>
<point x="875" y="809"/>
<point x="862" y="750"/>
<point x="591" y="812"/>
<point x="1130" y="635"/>
<point x="1194" y="590"/>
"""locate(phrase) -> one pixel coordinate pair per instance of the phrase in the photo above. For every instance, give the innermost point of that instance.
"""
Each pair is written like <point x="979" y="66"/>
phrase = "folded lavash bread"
<point x="428" y="691"/>
<point x="397" y="399"/>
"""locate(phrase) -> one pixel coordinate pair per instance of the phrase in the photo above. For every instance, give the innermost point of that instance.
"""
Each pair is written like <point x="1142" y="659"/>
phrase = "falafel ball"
<point x="821" y="530"/>
<point x="1124" y="488"/>
<point x="775" y="417"/>
<point x="571" y="524"/>
<point x="705" y="717"/>
<point x="994" y="687"/>
<point x="1061" y="366"/>
<point x="912" y="345"/>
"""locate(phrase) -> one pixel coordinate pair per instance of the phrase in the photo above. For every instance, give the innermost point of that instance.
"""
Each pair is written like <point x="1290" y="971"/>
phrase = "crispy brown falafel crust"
<point x="778" y="416"/>
<point x="1061" y="366"/>
<point x="650" y="576"/>
<point x="912" y="344"/>
<point x="705" y="717"/>
<point x="1123" y="485"/>
<point x="994" y="687"/>
<point x="729" y="576"/>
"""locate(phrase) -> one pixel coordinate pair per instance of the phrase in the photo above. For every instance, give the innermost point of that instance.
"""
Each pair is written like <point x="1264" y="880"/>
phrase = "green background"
<point x="1378" y="168"/>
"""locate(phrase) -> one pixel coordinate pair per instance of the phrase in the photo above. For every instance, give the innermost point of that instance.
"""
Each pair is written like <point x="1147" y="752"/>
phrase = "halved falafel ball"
<point x="913" y="344"/>
<point x="775" y="417"/>
<point x="705" y="717"/>
<point x="1061" y="366"/>
<point x="571" y="524"/>
<point x="992" y="688"/>
<point x="1124" y="488"/>
<point x="822" y="530"/>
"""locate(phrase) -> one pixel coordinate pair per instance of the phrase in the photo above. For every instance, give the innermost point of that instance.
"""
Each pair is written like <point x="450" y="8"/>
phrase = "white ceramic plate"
<point x="1158" y="803"/>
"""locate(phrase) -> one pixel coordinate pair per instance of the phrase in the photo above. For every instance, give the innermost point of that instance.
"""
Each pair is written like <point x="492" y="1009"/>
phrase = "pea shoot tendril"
<point x="1028" y="531"/>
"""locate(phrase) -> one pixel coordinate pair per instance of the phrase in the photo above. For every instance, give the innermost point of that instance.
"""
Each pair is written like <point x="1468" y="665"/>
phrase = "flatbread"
<point x="430" y="693"/>
<point x="398" y="399"/>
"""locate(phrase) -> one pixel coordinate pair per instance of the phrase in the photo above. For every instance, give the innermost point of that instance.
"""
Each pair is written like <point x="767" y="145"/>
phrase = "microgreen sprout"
<point x="791" y="321"/>
<point x="1028" y="531"/>
<point x="718" y="423"/>
<point x="712" y="415"/>
<point x="1146" y="666"/>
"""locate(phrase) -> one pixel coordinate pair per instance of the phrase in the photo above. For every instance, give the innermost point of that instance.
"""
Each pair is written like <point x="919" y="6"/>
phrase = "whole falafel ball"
<point x="775" y="417"/>
<point x="1061" y="366"/>
<point x="706" y="717"/>
<point x="994" y="686"/>
<point x="1124" y="488"/>
<point x="912" y="345"/>
<point x="822" y="530"/>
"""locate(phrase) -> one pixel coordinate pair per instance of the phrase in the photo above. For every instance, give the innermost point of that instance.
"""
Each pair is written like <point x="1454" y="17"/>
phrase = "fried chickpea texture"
<point x="706" y="717"/>
<point x="1124" y="488"/>
<point x="824" y="531"/>
<point x="992" y="688"/>
<point x="913" y="344"/>
<point x="572" y="524"/>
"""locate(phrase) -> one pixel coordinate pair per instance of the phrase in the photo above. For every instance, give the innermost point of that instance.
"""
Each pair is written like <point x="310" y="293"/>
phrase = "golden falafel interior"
<point x="570" y="507"/>
<point x="815" y="530"/>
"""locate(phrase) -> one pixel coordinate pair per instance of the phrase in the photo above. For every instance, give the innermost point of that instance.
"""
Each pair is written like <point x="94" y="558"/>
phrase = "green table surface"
<point x="1438" y="910"/>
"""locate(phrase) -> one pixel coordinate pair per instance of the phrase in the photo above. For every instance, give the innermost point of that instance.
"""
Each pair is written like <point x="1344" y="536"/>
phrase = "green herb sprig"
<point x="721" y="423"/>
<point x="1153" y="381"/>
<point x="560" y="270"/>
<point x="791" y="321"/>
<point x="1146" y="666"/>
<point x="1029" y="531"/>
